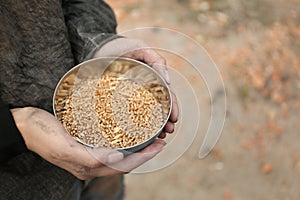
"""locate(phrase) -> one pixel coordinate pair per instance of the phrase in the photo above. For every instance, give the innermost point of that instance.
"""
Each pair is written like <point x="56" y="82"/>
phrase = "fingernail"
<point x="115" y="157"/>
<point x="162" y="142"/>
<point x="167" y="76"/>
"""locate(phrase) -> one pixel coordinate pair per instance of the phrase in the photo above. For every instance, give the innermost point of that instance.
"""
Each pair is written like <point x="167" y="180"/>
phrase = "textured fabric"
<point x="110" y="187"/>
<point x="39" y="41"/>
<point x="75" y="192"/>
<point x="28" y="176"/>
<point x="13" y="142"/>
<point x="35" y="52"/>
<point x="86" y="31"/>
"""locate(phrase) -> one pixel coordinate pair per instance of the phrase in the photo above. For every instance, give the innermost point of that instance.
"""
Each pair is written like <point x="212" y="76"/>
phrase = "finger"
<point x="149" y="56"/>
<point x="138" y="50"/>
<point x="93" y="158"/>
<point x="105" y="155"/>
<point x="152" y="58"/>
<point x="162" y="135"/>
<point x="169" y="128"/>
<point x="137" y="159"/>
<point x="163" y="71"/>
<point x="131" y="162"/>
<point x="175" y="110"/>
<point x="158" y="63"/>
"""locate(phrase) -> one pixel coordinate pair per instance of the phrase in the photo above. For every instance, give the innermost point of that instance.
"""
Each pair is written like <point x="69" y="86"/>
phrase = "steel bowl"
<point x="134" y="70"/>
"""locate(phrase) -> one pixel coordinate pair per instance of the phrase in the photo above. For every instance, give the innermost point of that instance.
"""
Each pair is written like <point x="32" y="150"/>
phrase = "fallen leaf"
<point x="266" y="168"/>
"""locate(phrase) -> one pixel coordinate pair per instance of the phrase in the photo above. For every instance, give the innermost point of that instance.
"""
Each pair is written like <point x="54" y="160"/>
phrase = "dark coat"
<point x="39" y="41"/>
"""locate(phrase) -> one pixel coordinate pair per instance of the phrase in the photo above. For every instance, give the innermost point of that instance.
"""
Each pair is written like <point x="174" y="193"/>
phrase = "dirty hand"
<point x="139" y="50"/>
<point x="44" y="135"/>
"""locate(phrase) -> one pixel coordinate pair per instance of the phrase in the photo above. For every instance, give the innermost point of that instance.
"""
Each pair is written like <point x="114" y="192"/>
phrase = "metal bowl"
<point x="126" y="68"/>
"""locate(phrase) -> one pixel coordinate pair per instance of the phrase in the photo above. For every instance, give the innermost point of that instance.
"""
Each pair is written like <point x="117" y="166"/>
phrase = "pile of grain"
<point x="109" y="111"/>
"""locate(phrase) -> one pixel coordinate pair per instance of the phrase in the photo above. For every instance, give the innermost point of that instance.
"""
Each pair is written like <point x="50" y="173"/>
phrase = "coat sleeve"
<point x="11" y="140"/>
<point x="90" y="23"/>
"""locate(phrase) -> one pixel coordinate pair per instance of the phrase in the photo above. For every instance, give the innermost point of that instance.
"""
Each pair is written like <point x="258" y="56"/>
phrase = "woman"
<point x="40" y="41"/>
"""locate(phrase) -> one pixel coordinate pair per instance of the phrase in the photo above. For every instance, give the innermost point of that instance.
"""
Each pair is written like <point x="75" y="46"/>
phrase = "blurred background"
<point x="256" y="46"/>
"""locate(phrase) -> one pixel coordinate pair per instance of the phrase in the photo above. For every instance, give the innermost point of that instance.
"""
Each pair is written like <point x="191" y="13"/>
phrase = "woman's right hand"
<point x="45" y="135"/>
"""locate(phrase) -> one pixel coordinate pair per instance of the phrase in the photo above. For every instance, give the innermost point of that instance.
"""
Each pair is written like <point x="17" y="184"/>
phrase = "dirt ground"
<point x="256" y="46"/>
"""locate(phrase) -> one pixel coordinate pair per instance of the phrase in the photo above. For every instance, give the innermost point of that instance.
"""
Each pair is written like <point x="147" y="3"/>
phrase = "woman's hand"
<point x="45" y="135"/>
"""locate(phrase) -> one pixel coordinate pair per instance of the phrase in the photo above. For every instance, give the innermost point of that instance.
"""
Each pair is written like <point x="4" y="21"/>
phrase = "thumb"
<point x="163" y="71"/>
<point x="105" y="155"/>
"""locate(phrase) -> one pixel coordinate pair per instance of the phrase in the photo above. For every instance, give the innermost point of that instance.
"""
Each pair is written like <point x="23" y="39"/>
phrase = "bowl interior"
<point x="101" y="98"/>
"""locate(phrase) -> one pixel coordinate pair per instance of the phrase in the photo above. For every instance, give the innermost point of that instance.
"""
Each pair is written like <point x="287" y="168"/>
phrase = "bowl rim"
<point x="112" y="59"/>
